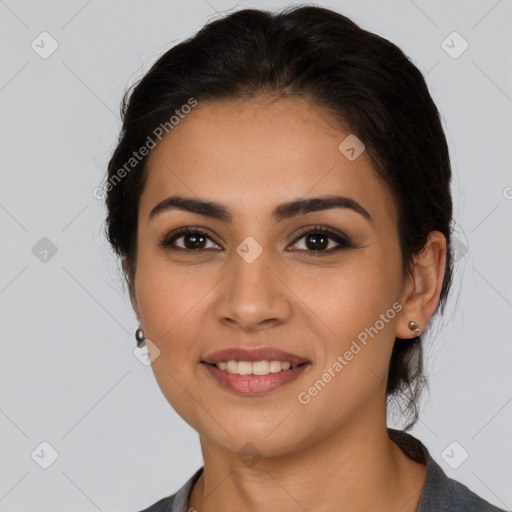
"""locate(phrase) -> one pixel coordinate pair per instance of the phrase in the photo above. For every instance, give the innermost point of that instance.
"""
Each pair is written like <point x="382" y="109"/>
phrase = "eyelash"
<point x="343" y="241"/>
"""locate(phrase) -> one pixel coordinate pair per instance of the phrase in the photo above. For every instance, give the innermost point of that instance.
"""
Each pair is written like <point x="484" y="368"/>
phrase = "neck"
<point x="358" y="469"/>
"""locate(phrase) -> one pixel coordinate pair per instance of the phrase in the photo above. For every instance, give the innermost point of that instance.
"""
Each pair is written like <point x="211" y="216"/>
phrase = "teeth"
<point x="274" y="366"/>
<point x="244" y="367"/>
<point x="254" y="368"/>
<point x="232" y="367"/>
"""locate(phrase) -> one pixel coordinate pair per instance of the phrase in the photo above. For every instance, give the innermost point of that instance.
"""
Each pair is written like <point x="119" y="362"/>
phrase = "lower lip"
<point x="252" y="385"/>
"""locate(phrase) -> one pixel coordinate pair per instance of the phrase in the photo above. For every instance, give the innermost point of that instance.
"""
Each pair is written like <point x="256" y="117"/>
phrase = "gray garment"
<point x="439" y="494"/>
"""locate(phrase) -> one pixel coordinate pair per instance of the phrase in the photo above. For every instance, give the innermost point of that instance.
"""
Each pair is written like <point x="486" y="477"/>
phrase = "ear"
<point x="131" y="286"/>
<point x="423" y="287"/>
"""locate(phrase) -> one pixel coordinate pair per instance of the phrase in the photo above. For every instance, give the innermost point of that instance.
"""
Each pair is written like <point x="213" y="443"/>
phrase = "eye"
<point x="317" y="240"/>
<point x="193" y="240"/>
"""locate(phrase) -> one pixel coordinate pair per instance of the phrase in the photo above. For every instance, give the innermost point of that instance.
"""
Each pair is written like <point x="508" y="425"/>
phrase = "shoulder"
<point x="440" y="493"/>
<point x="163" y="505"/>
<point x="444" y="493"/>
<point x="177" y="502"/>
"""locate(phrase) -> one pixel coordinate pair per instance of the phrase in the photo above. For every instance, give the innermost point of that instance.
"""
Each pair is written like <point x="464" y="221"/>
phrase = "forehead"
<point x="258" y="153"/>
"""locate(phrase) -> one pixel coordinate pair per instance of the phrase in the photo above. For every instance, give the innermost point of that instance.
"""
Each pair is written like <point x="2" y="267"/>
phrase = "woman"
<point x="280" y="199"/>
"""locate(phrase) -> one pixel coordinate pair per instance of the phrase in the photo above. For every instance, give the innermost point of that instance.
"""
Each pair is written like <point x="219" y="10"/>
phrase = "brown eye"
<point x="316" y="241"/>
<point x="193" y="240"/>
<point x="319" y="240"/>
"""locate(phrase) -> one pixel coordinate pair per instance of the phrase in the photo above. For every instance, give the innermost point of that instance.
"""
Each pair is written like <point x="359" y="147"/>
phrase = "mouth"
<point x="251" y="384"/>
<point x="254" y="372"/>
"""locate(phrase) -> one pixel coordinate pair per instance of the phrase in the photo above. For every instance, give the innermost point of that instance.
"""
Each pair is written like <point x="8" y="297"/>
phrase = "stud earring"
<point x="139" y="336"/>
<point x="415" y="330"/>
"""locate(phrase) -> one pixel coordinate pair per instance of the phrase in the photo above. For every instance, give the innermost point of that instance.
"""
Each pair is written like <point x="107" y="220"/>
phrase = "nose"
<point x="253" y="295"/>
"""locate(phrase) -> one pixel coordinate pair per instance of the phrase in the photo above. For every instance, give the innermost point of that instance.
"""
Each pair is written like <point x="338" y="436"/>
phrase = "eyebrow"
<point x="281" y="212"/>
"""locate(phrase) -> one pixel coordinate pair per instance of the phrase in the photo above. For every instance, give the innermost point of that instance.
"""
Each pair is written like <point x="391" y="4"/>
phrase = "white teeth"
<point x="244" y="368"/>
<point x="275" y="366"/>
<point x="254" y="368"/>
<point x="260" y="367"/>
<point x="232" y="366"/>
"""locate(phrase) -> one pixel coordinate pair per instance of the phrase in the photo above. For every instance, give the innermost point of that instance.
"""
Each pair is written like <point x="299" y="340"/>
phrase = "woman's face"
<point x="253" y="280"/>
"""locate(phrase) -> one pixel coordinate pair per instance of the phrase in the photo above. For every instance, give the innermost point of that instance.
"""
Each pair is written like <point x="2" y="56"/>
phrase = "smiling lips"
<point x="256" y="354"/>
<point x="256" y="371"/>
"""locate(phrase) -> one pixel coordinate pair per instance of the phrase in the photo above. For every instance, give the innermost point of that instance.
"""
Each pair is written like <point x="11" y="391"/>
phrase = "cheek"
<point x="351" y="374"/>
<point x="167" y="294"/>
<point x="163" y="308"/>
<point x="169" y="317"/>
<point x="170" y="301"/>
<point x="359" y="307"/>
<point x="351" y="298"/>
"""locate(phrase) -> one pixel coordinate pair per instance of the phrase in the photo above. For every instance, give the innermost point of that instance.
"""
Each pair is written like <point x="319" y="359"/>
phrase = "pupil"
<point x="194" y="240"/>
<point x="316" y="238"/>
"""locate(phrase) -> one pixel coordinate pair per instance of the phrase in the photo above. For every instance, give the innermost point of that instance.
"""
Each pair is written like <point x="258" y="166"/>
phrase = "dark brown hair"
<point x="361" y="79"/>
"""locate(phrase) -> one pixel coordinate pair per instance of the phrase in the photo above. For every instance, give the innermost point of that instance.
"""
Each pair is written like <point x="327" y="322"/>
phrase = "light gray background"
<point x="69" y="375"/>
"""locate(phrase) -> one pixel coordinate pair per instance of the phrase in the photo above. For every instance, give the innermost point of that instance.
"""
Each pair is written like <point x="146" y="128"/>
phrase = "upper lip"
<point x="255" y="354"/>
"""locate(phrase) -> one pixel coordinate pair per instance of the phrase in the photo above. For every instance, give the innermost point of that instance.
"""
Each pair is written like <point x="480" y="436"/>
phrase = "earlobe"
<point x="415" y="330"/>
<point x="421" y="295"/>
